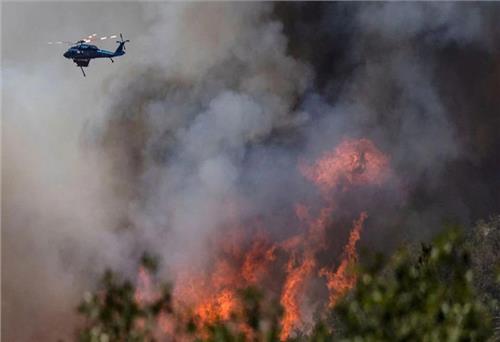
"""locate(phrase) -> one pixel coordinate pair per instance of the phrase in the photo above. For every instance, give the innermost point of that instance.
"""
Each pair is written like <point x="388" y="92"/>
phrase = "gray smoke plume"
<point x="414" y="77"/>
<point x="205" y="118"/>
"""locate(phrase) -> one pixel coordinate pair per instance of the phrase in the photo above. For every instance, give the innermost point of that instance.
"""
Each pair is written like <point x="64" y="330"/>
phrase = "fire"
<point x="292" y="294"/>
<point x="213" y="295"/>
<point x="257" y="260"/>
<point x="249" y="257"/>
<point x="357" y="162"/>
<point x="340" y="281"/>
<point x="219" y="306"/>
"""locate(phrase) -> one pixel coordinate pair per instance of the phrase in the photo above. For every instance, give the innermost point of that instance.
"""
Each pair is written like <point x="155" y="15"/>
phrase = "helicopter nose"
<point x="66" y="54"/>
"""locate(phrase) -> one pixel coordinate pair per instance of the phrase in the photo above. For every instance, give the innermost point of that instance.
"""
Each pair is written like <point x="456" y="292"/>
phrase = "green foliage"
<point x="149" y="262"/>
<point x="484" y="244"/>
<point x="430" y="298"/>
<point x="113" y="314"/>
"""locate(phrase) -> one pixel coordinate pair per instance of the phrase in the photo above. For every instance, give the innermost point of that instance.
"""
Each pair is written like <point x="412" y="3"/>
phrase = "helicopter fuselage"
<point x="86" y="51"/>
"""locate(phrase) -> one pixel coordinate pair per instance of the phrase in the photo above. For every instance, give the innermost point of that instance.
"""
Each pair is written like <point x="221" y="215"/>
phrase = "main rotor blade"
<point x="103" y="37"/>
<point x="87" y="39"/>
<point x="59" y="43"/>
<point x="90" y="38"/>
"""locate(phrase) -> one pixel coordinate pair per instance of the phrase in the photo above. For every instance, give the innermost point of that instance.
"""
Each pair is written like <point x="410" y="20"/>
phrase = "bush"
<point x="428" y="298"/>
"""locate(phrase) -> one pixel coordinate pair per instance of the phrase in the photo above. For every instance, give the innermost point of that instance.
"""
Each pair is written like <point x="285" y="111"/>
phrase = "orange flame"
<point x="355" y="161"/>
<point x="246" y="258"/>
<point x="340" y="281"/>
<point x="292" y="294"/>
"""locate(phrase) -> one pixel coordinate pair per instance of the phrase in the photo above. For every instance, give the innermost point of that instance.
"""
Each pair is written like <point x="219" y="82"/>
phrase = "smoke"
<point x="404" y="75"/>
<point x="58" y="214"/>
<point x="204" y="119"/>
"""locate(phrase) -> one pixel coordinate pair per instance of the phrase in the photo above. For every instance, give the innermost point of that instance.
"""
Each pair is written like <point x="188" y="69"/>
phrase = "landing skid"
<point x="83" y="72"/>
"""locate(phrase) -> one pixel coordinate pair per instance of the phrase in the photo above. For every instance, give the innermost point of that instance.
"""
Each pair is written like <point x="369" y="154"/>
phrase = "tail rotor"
<point x="122" y="41"/>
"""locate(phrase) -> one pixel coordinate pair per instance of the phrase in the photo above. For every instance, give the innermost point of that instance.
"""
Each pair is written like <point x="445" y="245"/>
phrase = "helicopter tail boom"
<point x="120" y="50"/>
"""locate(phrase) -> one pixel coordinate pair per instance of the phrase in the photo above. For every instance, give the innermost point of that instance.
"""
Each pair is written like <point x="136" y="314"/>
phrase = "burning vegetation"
<point x="423" y="294"/>
<point x="258" y="288"/>
<point x="284" y="270"/>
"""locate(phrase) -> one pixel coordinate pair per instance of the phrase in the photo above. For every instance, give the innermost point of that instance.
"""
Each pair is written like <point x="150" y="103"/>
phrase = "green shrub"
<point x="428" y="298"/>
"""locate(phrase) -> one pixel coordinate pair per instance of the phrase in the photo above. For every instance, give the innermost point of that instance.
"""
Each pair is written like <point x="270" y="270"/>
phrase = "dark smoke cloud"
<point x="419" y="78"/>
<point x="218" y="101"/>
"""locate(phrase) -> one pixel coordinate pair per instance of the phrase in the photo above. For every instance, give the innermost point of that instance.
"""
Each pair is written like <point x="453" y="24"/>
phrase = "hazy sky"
<point x="53" y="194"/>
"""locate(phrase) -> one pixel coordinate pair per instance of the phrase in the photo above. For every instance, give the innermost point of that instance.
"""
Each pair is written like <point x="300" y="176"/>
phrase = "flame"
<point x="353" y="162"/>
<point x="293" y="293"/>
<point x="357" y="162"/>
<point x="220" y="306"/>
<point x="247" y="255"/>
<point x="340" y="281"/>
<point x="257" y="260"/>
<point x="212" y="295"/>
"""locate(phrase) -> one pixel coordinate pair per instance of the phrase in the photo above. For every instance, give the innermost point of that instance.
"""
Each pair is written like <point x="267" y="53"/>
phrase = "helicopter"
<point x="81" y="52"/>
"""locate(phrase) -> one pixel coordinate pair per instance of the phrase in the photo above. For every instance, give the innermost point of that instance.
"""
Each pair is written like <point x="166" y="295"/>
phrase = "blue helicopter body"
<point x="81" y="53"/>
